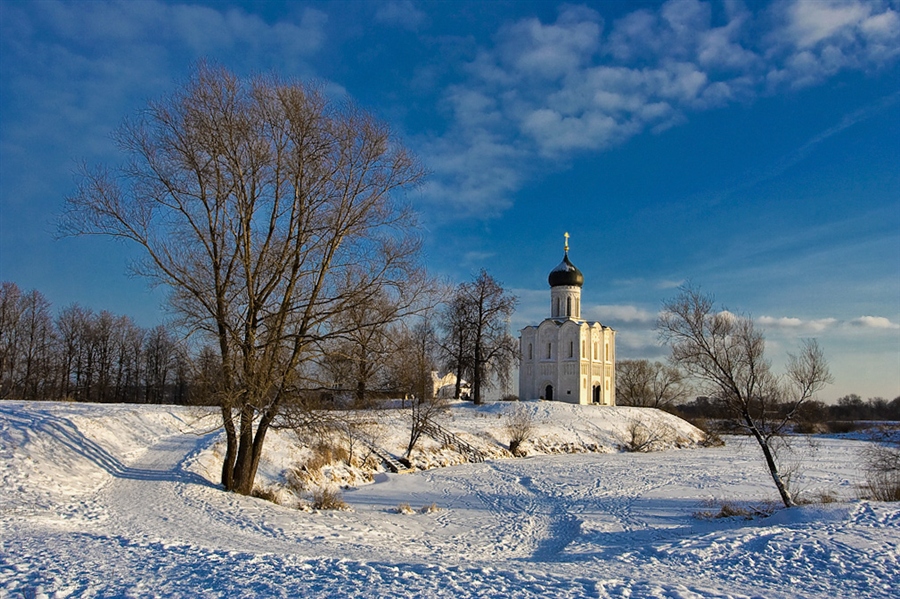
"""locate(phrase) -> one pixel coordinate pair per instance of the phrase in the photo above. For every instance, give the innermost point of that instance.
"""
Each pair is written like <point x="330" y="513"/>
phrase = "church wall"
<point x="573" y="357"/>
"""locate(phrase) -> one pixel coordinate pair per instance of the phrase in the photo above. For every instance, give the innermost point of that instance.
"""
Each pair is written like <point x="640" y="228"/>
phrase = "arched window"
<point x="568" y="306"/>
<point x="571" y="348"/>
<point x="549" y="350"/>
<point x="530" y="352"/>
<point x="556" y="307"/>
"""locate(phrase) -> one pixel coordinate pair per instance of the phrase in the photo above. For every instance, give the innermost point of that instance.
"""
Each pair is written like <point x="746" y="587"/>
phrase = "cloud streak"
<point x="548" y="91"/>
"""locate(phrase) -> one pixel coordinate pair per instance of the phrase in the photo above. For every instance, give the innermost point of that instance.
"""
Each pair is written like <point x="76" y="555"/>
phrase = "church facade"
<point x="565" y="358"/>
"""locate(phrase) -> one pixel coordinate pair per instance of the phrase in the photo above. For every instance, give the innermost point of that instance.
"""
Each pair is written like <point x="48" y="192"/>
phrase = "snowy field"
<point x="121" y="501"/>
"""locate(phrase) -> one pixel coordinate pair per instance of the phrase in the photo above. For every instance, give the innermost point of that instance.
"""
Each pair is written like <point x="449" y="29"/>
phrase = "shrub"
<point x="712" y="434"/>
<point x="881" y="461"/>
<point x="810" y="428"/>
<point x="881" y="487"/>
<point x="640" y="437"/>
<point x="519" y="426"/>
<point x="842" y="426"/>
<point x="430" y="509"/>
<point x="328" y="499"/>
<point x="296" y="479"/>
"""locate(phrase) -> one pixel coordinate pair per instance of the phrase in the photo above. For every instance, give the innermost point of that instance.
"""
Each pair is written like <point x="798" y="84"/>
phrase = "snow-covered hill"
<point x="121" y="501"/>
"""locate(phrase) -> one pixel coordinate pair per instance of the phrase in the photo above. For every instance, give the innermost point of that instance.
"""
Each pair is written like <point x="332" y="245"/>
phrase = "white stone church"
<point x="565" y="358"/>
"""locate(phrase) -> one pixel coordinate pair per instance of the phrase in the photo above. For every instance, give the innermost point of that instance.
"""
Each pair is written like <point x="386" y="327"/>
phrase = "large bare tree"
<point x="267" y="210"/>
<point x="727" y="353"/>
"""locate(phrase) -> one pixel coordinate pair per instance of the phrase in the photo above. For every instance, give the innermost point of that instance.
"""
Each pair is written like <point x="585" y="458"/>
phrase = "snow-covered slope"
<point x="121" y="501"/>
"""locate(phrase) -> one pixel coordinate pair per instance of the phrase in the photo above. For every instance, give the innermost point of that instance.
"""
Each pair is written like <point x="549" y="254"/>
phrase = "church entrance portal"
<point x="596" y="393"/>
<point x="548" y="393"/>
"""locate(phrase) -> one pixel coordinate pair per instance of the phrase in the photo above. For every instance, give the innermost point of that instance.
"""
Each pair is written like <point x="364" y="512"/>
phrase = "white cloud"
<point x="812" y="21"/>
<point x="815" y="39"/>
<point x="797" y="324"/>
<point x="670" y="284"/>
<point x="401" y="13"/>
<point x="531" y="49"/>
<point x="621" y="313"/>
<point x="874" y="322"/>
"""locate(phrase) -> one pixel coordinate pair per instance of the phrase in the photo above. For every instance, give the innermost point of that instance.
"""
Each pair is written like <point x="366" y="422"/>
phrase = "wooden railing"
<point x="442" y="435"/>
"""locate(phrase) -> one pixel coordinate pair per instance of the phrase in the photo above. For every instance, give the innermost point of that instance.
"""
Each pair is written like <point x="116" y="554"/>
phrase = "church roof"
<point x="566" y="274"/>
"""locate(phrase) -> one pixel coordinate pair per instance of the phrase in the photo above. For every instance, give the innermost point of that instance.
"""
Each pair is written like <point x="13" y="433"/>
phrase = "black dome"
<point x="566" y="274"/>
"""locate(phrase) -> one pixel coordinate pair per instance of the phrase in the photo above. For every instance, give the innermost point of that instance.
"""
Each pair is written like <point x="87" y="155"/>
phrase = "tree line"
<point x="813" y="416"/>
<point x="82" y="355"/>
<point x="643" y="383"/>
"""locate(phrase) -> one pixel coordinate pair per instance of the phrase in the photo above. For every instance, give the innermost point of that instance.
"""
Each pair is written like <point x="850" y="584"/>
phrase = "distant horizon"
<point x="750" y="151"/>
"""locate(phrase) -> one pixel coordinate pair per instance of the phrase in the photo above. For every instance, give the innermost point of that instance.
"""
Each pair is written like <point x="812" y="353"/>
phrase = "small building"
<point x="565" y="358"/>
<point x="445" y="386"/>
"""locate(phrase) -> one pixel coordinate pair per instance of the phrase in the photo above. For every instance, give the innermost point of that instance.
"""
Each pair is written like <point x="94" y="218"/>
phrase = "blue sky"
<point x="749" y="148"/>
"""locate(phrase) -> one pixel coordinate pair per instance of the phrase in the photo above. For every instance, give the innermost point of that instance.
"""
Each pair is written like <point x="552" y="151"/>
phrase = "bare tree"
<point x="457" y="344"/>
<point x="267" y="211"/>
<point x="493" y="351"/>
<point x="414" y="359"/>
<point x="27" y="341"/>
<point x="73" y="324"/>
<point x="10" y="315"/>
<point x="727" y="353"/>
<point x="358" y="358"/>
<point x="646" y="384"/>
<point x="160" y="357"/>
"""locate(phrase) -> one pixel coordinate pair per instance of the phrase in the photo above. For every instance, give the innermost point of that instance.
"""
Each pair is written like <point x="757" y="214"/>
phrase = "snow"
<point x="122" y="501"/>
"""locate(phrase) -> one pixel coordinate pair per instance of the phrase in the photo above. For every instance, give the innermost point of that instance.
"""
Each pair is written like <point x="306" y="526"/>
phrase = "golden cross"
<point x="567" y="241"/>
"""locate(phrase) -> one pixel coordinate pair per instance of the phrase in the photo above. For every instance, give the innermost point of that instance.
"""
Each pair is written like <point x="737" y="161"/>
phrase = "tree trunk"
<point x="243" y="479"/>
<point x="230" y="449"/>
<point x="786" y="498"/>
<point x="476" y="378"/>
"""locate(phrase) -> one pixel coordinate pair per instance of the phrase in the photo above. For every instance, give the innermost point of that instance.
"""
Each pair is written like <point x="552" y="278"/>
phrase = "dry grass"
<point x="405" y="508"/>
<point x="728" y="509"/>
<point x="328" y="499"/>
<point x="818" y="497"/>
<point x="265" y="493"/>
<point x="325" y="453"/>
